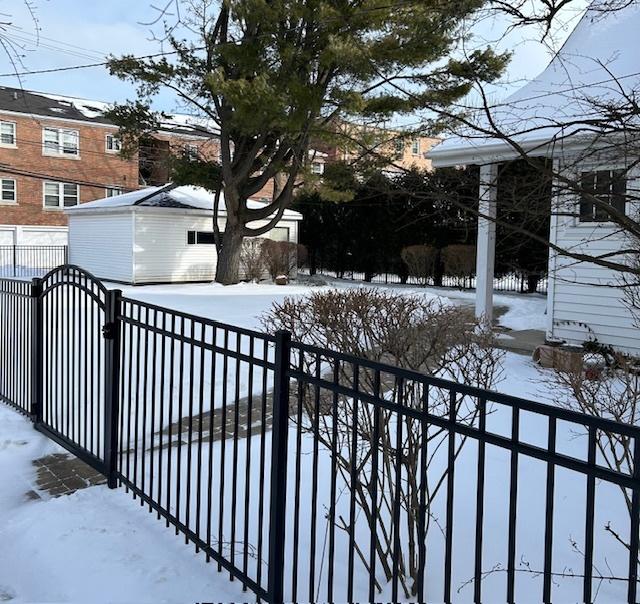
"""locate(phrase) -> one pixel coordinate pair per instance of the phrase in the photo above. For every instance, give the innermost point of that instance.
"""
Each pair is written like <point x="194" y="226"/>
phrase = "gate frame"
<point x="111" y="365"/>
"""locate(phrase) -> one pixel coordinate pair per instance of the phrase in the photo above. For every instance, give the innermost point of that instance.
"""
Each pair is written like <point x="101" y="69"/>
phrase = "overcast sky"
<point x="74" y="32"/>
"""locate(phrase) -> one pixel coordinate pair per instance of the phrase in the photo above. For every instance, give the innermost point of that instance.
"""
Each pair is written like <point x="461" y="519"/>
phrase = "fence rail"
<point x="30" y="260"/>
<point x="314" y="475"/>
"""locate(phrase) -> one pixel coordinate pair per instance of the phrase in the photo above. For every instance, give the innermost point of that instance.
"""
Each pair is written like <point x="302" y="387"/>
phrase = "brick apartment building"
<point x="58" y="151"/>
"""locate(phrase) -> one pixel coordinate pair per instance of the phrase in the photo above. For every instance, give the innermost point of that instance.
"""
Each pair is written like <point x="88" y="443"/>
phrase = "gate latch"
<point x="108" y="331"/>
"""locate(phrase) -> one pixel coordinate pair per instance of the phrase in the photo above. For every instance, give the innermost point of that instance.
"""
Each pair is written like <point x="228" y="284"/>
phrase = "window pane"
<point x="588" y="187"/>
<point x="191" y="237"/>
<point x="619" y="190"/>
<point x="206" y="238"/>
<point x="51" y="188"/>
<point x="70" y="142"/>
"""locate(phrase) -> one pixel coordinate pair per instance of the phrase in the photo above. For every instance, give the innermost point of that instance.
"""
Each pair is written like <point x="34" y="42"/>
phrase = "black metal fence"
<point x="30" y="260"/>
<point x="512" y="282"/>
<point x="312" y="475"/>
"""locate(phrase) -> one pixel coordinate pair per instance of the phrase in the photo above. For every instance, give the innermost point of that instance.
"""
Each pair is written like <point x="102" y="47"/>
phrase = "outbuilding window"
<point x="415" y="146"/>
<point x="201" y="237"/>
<point x="609" y="187"/>
<point x="60" y="141"/>
<point x="8" y="186"/>
<point x="60" y="195"/>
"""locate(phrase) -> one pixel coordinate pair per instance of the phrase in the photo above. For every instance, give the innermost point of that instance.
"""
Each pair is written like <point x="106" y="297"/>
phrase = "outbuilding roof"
<point x="185" y="197"/>
<point x="597" y="65"/>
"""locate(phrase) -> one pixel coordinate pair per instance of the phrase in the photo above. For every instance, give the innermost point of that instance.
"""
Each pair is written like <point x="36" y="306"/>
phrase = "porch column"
<point x="486" y="246"/>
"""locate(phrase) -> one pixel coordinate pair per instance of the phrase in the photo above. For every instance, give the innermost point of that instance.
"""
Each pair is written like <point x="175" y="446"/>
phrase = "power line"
<point x="399" y="4"/>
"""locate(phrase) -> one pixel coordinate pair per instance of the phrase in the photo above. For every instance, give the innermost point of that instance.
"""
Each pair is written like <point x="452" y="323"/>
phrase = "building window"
<point x="113" y="191"/>
<point x="8" y="133"/>
<point x="191" y="152"/>
<point x="399" y="148"/>
<point x="112" y="144"/>
<point x="608" y="186"/>
<point x="201" y="237"/>
<point x="8" y="186"/>
<point x="415" y="146"/>
<point x="60" y="195"/>
<point x="317" y="167"/>
<point x="59" y="141"/>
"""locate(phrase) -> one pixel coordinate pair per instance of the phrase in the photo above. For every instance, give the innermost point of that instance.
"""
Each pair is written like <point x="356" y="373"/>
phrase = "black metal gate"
<point x="73" y="358"/>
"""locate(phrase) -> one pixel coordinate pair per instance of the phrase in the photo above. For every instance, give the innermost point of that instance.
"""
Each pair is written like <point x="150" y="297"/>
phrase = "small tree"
<point x="420" y="261"/>
<point x="252" y="259"/>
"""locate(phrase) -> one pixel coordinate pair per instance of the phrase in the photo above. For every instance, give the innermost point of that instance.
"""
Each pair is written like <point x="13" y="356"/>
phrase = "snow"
<point x="193" y="197"/>
<point x="597" y="62"/>
<point x="98" y="537"/>
<point x="93" y="546"/>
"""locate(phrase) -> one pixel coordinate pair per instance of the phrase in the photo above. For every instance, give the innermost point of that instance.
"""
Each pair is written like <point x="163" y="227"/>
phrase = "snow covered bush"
<point x="420" y="261"/>
<point x="412" y="332"/>
<point x="252" y="260"/>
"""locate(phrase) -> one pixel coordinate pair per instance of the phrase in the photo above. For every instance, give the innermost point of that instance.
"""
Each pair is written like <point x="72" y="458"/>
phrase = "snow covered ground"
<point x="96" y="545"/>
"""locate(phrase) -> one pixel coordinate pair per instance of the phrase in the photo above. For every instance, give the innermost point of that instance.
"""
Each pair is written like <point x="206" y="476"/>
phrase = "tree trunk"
<point x="228" y="266"/>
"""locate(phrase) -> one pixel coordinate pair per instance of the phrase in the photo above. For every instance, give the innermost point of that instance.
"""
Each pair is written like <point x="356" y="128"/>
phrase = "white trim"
<point x="486" y="242"/>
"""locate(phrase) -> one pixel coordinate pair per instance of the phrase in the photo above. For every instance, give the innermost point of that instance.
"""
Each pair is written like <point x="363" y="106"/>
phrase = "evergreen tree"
<point x="273" y="74"/>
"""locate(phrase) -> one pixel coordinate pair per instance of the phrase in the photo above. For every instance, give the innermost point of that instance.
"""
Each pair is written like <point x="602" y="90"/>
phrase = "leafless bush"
<point x="283" y="257"/>
<point x="407" y="331"/>
<point x="610" y="390"/>
<point x="420" y="261"/>
<point x="252" y="259"/>
<point x="459" y="260"/>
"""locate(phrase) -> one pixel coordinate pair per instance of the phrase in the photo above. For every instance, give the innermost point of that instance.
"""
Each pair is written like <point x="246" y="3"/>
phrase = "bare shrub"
<point x="411" y="332"/>
<point x="459" y="260"/>
<point x="610" y="390"/>
<point x="420" y="261"/>
<point x="252" y="260"/>
<point x="283" y="257"/>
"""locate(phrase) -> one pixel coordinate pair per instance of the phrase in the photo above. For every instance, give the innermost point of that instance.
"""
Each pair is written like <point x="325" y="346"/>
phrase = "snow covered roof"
<point x="84" y="110"/>
<point x="598" y="62"/>
<point x="186" y="197"/>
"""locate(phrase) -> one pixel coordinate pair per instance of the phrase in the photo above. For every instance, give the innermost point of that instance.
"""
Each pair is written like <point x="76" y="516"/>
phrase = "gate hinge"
<point x="108" y="331"/>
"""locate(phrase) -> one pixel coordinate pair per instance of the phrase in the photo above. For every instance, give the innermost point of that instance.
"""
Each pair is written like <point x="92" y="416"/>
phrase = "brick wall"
<point x="93" y="165"/>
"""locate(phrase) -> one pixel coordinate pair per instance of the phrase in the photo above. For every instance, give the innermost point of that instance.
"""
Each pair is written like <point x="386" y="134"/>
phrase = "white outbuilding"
<point x="155" y="235"/>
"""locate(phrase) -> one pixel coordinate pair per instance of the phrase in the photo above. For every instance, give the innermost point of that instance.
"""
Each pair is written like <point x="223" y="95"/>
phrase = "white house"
<point x="549" y="117"/>
<point x="154" y="235"/>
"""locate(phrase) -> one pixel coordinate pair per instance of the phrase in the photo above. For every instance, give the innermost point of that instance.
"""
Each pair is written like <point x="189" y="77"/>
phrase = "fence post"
<point x="15" y="260"/>
<point x="111" y="333"/>
<point x="36" y="351"/>
<point x="278" y="490"/>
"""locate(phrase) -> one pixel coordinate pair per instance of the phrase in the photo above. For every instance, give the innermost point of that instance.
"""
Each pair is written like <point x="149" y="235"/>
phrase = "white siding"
<point x="585" y="301"/>
<point x="161" y="252"/>
<point x="101" y="243"/>
<point x="32" y="235"/>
